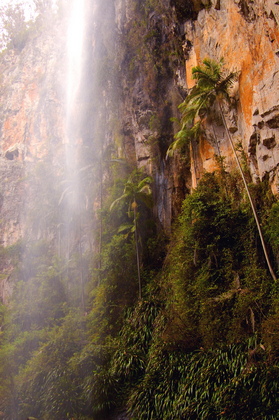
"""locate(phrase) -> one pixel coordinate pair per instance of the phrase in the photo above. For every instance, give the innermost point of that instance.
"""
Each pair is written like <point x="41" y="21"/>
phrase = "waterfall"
<point x="75" y="39"/>
<point x="75" y="53"/>
<point x="51" y="135"/>
<point x="73" y="202"/>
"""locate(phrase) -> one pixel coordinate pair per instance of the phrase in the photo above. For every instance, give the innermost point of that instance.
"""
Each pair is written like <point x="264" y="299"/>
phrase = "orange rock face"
<point x="31" y="122"/>
<point x="249" y="45"/>
<point x="32" y="99"/>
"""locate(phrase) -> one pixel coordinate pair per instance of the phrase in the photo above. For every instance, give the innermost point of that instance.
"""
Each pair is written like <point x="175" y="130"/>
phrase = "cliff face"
<point x="32" y="131"/>
<point x="153" y="84"/>
<point x="246" y="35"/>
<point x="169" y="40"/>
<point x="147" y="56"/>
<point x="56" y="162"/>
<point x="32" y="128"/>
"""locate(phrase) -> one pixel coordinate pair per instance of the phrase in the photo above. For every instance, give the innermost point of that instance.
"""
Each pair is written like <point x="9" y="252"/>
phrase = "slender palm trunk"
<point x="81" y="276"/>
<point x="137" y="251"/>
<point x="101" y="219"/>
<point x="248" y="193"/>
<point x="81" y="261"/>
<point x="194" y="157"/>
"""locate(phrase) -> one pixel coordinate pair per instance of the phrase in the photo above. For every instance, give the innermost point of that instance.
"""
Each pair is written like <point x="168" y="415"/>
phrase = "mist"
<point x="50" y="255"/>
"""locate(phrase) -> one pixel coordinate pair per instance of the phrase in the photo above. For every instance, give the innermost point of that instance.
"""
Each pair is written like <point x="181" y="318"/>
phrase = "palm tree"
<point x="212" y="88"/>
<point x="135" y="193"/>
<point x="211" y="85"/>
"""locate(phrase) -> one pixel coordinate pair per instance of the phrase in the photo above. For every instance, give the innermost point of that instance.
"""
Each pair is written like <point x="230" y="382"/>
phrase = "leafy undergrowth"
<point x="202" y="343"/>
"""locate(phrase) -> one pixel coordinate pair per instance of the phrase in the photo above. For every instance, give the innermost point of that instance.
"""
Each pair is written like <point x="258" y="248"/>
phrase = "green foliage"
<point x="91" y="366"/>
<point x="212" y="84"/>
<point x="184" y="137"/>
<point x="15" y="26"/>
<point x="154" y="396"/>
<point x="207" y="385"/>
<point x="214" y="386"/>
<point x="129" y="359"/>
<point x="211" y="89"/>
<point x="172" y="358"/>
<point x="272" y="228"/>
<point x="40" y="290"/>
<point x="47" y="386"/>
<point x="136" y="191"/>
<point x="202" y="343"/>
<point x="217" y="288"/>
<point x="117" y="288"/>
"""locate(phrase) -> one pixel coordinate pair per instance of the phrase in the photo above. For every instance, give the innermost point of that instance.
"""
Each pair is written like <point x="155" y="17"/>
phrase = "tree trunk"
<point x="137" y="250"/>
<point x="101" y="219"/>
<point x="248" y="193"/>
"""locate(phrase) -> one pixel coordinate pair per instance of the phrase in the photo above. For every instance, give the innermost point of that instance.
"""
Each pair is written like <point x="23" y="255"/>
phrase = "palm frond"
<point x="183" y="137"/>
<point x="118" y="200"/>
<point x="229" y="79"/>
<point x="127" y="227"/>
<point x="204" y="76"/>
<point x="145" y="183"/>
<point x="198" y="98"/>
<point x="177" y="144"/>
<point x="129" y="188"/>
<point x="225" y="84"/>
<point x="211" y="84"/>
<point x="187" y="117"/>
<point x="213" y="65"/>
<point x="209" y="74"/>
<point x="199" y="102"/>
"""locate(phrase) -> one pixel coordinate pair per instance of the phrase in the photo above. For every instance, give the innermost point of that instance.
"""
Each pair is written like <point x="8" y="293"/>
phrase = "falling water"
<point x="75" y="38"/>
<point x="58" y="214"/>
<point x="72" y="144"/>
<point x="73" y="200"/>
<point x="81" y="148"/>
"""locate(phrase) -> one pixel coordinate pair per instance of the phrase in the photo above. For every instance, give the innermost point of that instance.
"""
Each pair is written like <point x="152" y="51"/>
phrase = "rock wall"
<point x="31" y="122"/>
<point x="153" y="84"/>
<point x="50" y="151"/>
<point x="242" y="32"/>
<point x="31" y="131"/>
<point x="147" y="57"/>
<point x="246" y="34"/>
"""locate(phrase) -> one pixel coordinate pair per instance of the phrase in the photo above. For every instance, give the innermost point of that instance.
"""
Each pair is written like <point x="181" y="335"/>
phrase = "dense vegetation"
<point x="201" y="343"/>
<point x="159" y="327"/>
